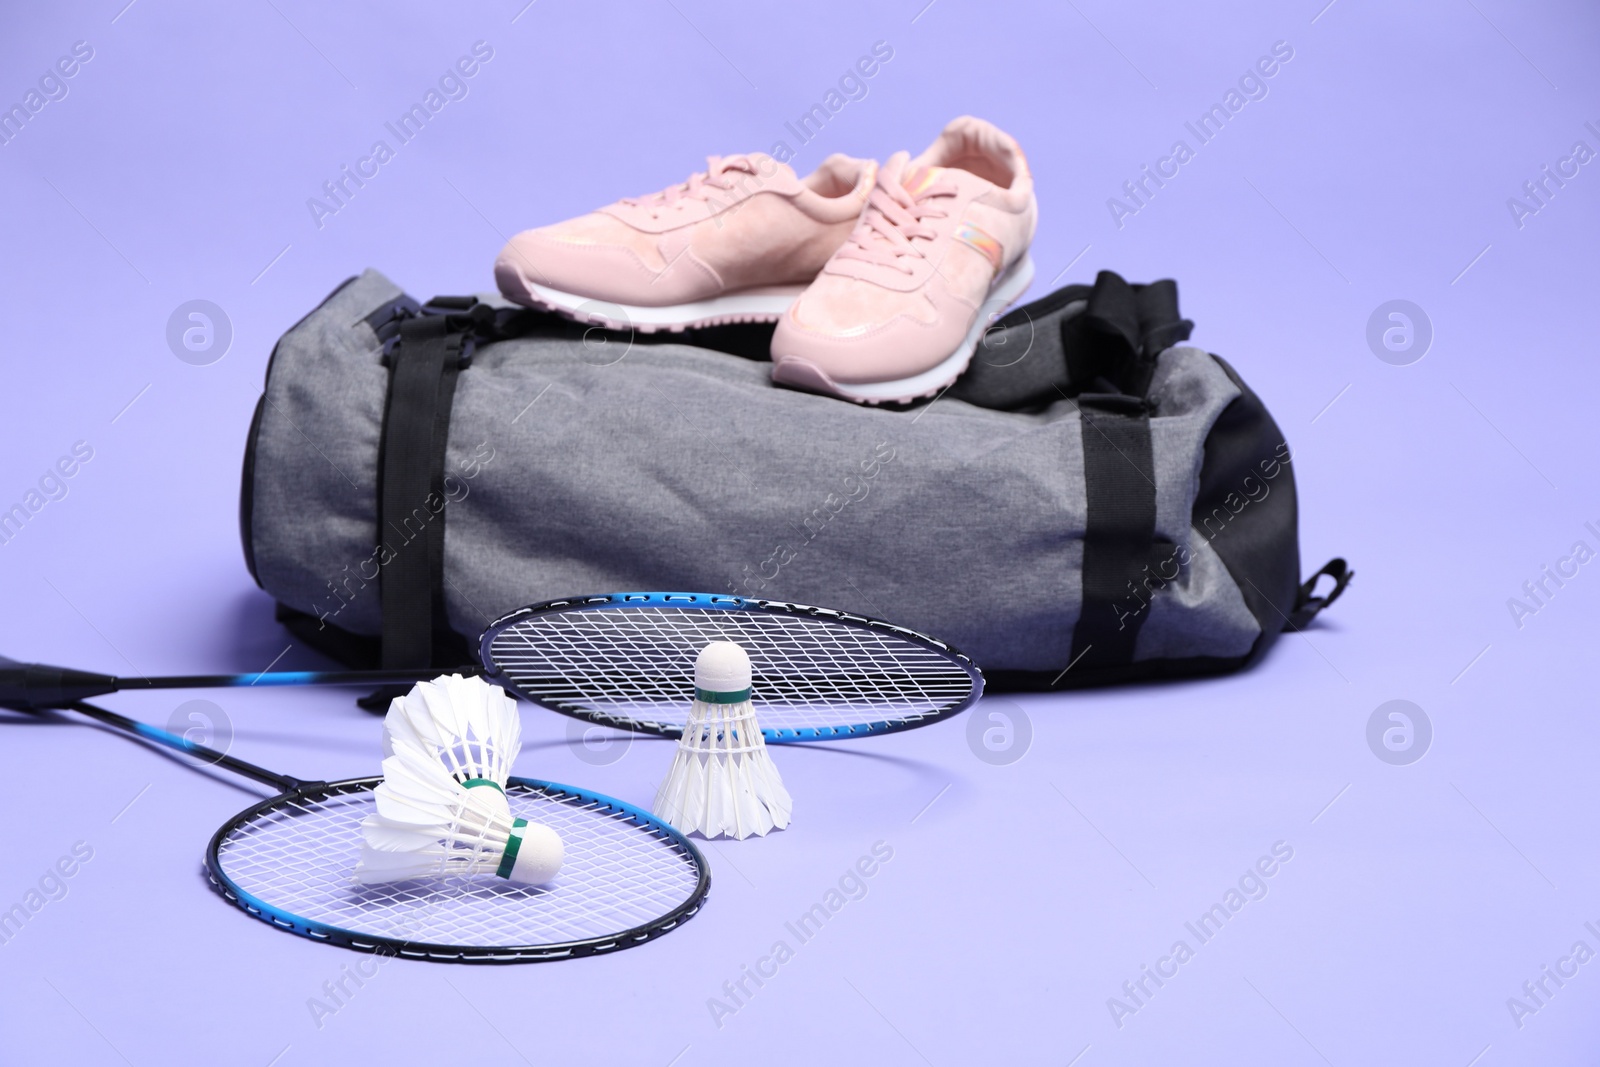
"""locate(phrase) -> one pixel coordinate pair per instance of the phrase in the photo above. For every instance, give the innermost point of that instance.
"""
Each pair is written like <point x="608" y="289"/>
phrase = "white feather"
<point x="469" y="727"/>
<point x="427" y="824"/>
<point x="722" y="781"/>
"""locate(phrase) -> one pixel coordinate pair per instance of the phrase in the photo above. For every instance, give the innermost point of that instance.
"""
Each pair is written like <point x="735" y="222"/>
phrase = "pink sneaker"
<point x="736" y="243"/>
<point x="941" y="249"/>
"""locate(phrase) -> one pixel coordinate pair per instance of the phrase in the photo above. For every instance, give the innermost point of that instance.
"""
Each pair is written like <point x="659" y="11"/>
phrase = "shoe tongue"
<point x="770" y="174"/>
<point x="917" y="180"/>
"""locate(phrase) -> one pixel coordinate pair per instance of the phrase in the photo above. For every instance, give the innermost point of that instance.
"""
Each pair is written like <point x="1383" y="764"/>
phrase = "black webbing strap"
<point x="411" y="501"/>
<point x="1122" y="329"/>
<point x="1119" y="477"/>
<point x="1307" y="604"/>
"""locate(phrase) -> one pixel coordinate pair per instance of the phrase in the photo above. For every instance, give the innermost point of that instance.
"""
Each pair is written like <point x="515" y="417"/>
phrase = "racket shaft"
<point x="183" y="744"/>
<point x="38" y="685"/>
<point x="272" y="678"/>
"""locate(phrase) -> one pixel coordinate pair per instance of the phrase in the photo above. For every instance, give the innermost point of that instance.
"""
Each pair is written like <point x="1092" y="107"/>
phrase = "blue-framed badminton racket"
<point x="289" y="861"/>
<point x="627" y="660"/>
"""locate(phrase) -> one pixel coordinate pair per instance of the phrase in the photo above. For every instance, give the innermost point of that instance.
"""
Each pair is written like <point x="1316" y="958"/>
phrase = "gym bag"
<point x="1093" y="501"/>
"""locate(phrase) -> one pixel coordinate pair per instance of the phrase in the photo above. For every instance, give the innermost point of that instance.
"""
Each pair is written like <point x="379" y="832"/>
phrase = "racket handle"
<point x="38" y="685"/>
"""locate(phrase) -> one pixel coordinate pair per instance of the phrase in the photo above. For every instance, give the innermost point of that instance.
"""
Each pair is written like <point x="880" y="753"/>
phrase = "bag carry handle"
<point x="1306" y="606"/>
<point x="1121" y="332"/>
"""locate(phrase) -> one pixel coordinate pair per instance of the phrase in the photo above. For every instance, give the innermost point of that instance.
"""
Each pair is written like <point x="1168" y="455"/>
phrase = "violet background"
<point x="1022" y="896"/>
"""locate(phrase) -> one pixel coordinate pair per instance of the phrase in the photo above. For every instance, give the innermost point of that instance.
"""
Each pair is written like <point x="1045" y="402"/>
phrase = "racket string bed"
<point x="621" y="877"/>
<point x="818" y="673"/>
<point x="291" y="861"/>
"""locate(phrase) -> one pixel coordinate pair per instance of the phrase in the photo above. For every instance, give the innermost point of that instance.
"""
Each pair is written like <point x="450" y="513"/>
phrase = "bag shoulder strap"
<point x="428" y="352"/>
<point x="1120" y="494"/>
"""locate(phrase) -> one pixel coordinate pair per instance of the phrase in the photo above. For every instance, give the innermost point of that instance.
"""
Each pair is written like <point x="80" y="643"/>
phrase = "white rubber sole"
<point x="803" y="374"/>
<point x="767" y="304"/>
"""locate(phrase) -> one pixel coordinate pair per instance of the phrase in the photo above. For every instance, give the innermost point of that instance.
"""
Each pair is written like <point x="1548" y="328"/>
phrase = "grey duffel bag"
<point x="1093" y="501"/>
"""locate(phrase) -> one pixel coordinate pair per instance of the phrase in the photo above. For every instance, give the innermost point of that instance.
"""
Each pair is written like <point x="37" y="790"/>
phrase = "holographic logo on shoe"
<point x="974" y="238"/>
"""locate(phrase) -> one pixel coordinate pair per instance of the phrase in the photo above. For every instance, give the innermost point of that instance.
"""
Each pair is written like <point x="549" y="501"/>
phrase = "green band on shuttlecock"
<point x="473" y="783"/>
<point x="513" y="846"/>
<point x="711" y="696"/>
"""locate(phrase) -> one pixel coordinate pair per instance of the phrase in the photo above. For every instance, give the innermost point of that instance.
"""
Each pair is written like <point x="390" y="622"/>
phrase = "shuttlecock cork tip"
<point x="722" y="668"/>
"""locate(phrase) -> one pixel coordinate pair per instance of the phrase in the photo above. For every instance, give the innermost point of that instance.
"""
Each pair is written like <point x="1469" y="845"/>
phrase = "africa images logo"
<point x="852" y="885"/>
<point x="1251" y="86"/>
<point x="52" y="86"/>
<point x="1251" y="886"/>
<point x="52" y="485"/>
<point x="452" y="85"/>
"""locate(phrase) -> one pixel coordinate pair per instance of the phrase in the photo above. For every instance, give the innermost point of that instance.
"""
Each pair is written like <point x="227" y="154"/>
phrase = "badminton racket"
<point x="627" y="660"/>
<point x="627" y="878"/>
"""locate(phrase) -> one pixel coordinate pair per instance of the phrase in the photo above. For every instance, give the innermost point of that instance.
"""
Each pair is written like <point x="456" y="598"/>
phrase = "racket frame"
<point x="361" y="942"/>
<point x="729" y="602"/>
<point x="296" y="789"/>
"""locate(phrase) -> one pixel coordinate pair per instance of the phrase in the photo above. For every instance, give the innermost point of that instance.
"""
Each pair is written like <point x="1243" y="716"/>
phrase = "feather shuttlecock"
<point x="723" y="781"/>
<point x="428" y="825"/>
<point x="471" y="728"/>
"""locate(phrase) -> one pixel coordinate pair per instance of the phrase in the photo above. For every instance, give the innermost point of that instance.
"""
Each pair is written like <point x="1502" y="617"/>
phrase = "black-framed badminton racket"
<point x="627" y="660"/>
<point x="289" y="861"/>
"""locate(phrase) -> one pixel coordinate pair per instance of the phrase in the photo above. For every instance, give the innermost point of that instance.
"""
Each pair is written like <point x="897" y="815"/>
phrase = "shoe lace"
<point x="891" y="229"/>
<point x="718" y="175"/>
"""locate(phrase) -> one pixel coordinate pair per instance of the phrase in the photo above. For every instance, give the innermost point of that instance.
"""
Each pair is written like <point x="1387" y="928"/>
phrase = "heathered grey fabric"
<point x="316" y="485"/>
<point x="682" y="469"/>
<point x="1203" y="613"/>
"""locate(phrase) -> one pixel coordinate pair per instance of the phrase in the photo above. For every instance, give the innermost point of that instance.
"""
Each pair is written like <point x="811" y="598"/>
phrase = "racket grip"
<point x="29" y="686"/>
